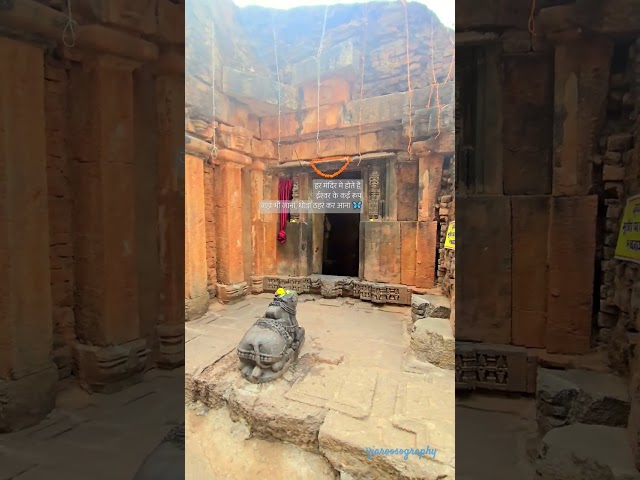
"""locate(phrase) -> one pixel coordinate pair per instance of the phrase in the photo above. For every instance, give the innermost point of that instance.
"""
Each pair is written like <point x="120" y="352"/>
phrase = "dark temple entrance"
<point x="341" y="245"/>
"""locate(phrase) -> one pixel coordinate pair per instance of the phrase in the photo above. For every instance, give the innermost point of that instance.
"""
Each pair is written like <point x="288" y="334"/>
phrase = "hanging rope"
<point x="275" y="51"/>
<point x="324" y="29"/>
<point x="532" y="19"/>
<point x="214" y="148"/>
<point x="363" y="63"/>
<point x="435" y="85"/>
<point x="347" y="161"/>
<point x="409" y="90"/>
<point x="69" y="28"/>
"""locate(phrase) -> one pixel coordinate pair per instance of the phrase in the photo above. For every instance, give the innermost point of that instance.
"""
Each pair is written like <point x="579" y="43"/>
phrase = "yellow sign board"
<point x="450" y="240"/>
<point x="628" y="246"/>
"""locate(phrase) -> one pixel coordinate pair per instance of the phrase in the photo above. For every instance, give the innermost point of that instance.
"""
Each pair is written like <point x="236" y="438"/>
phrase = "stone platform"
<point x="356" y="386"/>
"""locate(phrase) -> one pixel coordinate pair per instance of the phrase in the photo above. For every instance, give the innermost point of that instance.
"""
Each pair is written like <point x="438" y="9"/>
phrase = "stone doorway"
<point x="341" y="240"/>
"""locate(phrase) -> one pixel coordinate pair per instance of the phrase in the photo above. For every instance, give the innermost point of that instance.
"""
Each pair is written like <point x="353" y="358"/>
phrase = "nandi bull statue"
<point x="273" y="343"/>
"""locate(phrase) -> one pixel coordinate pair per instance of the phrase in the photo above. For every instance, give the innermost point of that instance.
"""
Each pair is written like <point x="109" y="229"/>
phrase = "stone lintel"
<point x="138" y="15"/>
<point x="341" y="60"/>
<point x="468" y="39"/>
<point x="110" y="369"/>
<point x="365" y="144"/>
<point x="443" y="144"/>
<point x="557" y="22"/>
<point x="259" y="92"/>
<point x="202" y="149"/>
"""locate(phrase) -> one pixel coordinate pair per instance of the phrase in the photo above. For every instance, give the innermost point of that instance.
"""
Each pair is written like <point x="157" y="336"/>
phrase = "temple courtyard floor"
<point x="355" y="386"/>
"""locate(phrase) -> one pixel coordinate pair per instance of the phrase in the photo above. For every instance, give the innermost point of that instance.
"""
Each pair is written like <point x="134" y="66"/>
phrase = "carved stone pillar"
<point x="28" y="376"/>
<point x="195" y="247"/>
<point x="374" y="205"/>
<point x="232" y="285"/>
<point x="109" y="352"/>
<point x="171" y="201"/>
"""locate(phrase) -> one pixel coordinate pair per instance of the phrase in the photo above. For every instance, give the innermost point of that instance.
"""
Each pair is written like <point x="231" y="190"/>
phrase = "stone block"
<point x="581" y="92"/>
<point x="407" y="190"/>
<point x="492" y="367"/>
<point x="579" y="452"/>
<point x="110" y="369"/>
<point x="259" y="92"/>
<point x="612" y="173"/>
<point x="408" y="236"/>
<point x="429" y="184"/>
<point x="483" y="269"/>
<point x="382" y="252"/>
<point x="426" y="254"/>
<point x="565" y="397"/>
<point x="527" y="145"/>
<point x="572" y="243"/>
<point x="430" y="122"/>
<point x="432" y="341"/>
<point x="530" y="233"/>
<point x="28" y="400"/>
<point x="341" y="60"/>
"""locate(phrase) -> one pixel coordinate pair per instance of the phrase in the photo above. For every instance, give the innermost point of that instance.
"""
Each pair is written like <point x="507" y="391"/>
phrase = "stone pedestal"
<point x="171" y="207"/>
<point x="195" y="248"/>
<point x="27" y="375"/>
<point x="107" y="318"/>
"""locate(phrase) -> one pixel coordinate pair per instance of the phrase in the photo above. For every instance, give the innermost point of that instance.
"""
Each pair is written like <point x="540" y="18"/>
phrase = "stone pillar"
<point x="109" y="352"/>
<point x="27" y="374"/>
<point x="257" y="226"/>
<point x="195" y="247"/>
<point x="171" y="201"/>
<point x="271" y="225"/>
<point x="230" y="255"/>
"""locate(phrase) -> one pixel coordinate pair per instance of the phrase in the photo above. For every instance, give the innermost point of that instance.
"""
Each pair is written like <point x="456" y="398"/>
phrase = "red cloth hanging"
<point x="284" y="195"/>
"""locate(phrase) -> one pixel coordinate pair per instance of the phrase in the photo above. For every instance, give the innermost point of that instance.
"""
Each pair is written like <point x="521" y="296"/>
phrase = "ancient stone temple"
<point x="547" y="153"/>
<point x="270" y="110"/>
<point x="87" y="187"/>
<point x="277" y="101"/>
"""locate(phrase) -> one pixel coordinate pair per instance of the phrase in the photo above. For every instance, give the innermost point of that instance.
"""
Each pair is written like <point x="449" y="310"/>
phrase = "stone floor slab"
<point x="348" y="391"/>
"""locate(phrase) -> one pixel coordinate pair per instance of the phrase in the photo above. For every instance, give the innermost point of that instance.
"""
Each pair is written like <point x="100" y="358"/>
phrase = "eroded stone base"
<point x="170" y="345"/>
<point x="432" y="341"/>
<point x="28" y="400"/>
<point x="333" y="287"/>
<point x="196" y="307"/>
<point x="110" y="369"/>
<point x="232" y="293"/>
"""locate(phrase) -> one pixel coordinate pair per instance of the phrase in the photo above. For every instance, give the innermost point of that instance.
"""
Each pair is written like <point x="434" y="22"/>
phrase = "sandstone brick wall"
<point x="60" y="208"/>
<point x="209" y="204"/>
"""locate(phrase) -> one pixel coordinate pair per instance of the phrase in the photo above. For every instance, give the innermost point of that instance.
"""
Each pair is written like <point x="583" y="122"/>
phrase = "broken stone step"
<point x="432" y="341"/>
<point x="426" y="305"/>
<point x="565" y="397"/>
<point x="586" y="452"/>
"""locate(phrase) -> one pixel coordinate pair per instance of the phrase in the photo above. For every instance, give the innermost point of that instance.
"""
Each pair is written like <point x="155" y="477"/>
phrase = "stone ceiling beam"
<point x="374" y="111"/>
<point x="258" y="92"/>
<point x="29" y="16"/>
<point x="610" y="17"/>
<point x="342" y="60"/>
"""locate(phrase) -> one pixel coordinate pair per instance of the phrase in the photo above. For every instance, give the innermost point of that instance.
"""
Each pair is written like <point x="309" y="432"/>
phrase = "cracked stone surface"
<point x="586" y="452"/>
<point x="354" y="387"/>
<point x="105" y="436"/>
